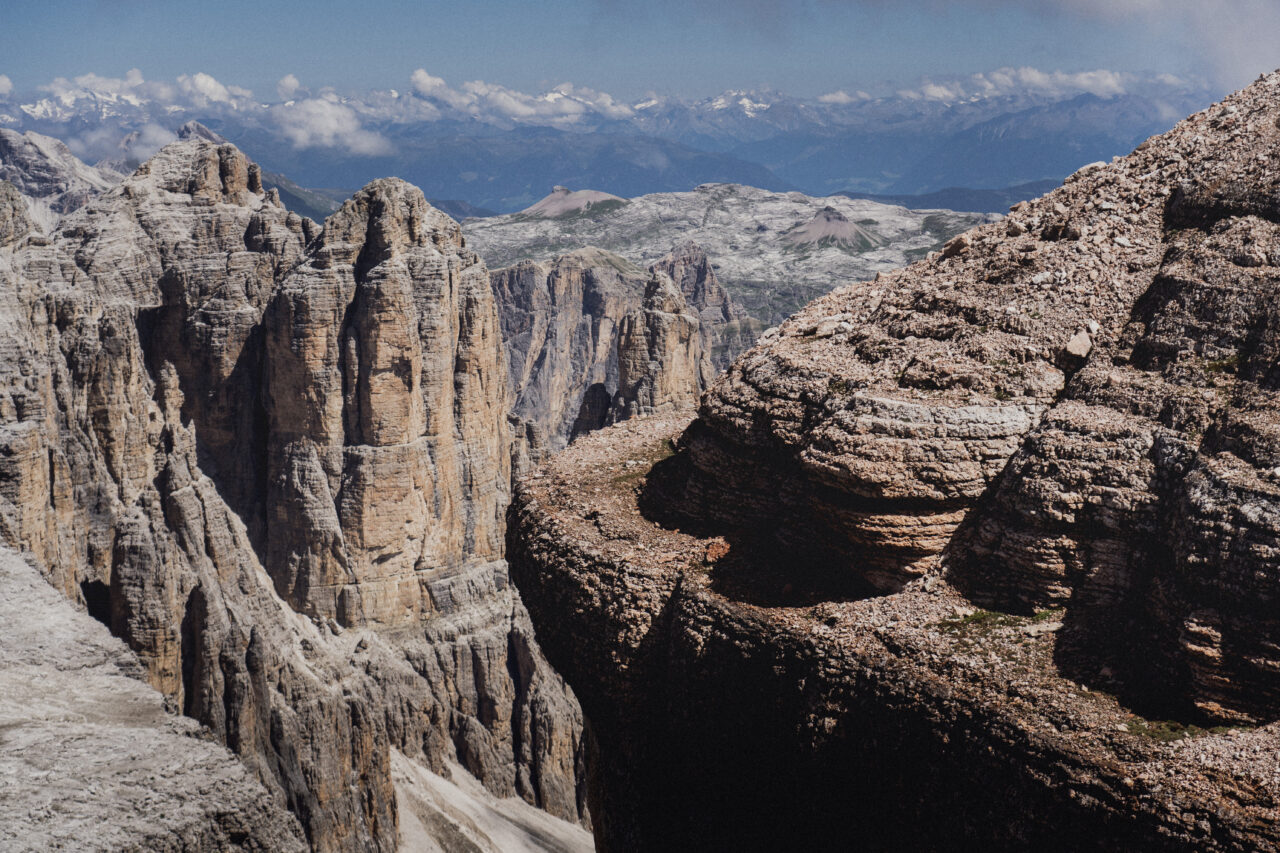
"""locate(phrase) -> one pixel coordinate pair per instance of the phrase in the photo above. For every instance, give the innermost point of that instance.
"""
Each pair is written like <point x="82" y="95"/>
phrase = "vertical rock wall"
<point x="241" y="434"/>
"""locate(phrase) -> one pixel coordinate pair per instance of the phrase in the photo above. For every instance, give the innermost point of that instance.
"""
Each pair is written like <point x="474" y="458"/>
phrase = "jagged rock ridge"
<point x="51" y="178"/>
<point x="216" y="418"/>
<point x="1068" y="416"/>
<point x="592" y="339"/>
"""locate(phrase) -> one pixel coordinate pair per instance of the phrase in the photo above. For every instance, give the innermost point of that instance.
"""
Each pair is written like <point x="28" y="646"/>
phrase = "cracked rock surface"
<point x="273" y="458"/>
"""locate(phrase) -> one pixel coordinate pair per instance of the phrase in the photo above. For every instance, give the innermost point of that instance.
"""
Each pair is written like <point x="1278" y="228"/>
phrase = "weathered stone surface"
<point x="587" y="343"/>
<point x="560" y="328"/>
<point x="1070" y="417"/>
<point x="89" y="757"/>
<point x="49" y="176"/>
<point x="774" y="251"/>
<point x="661" y="363"/>
<point x="180" y="425"/>
<point x="735" y="707"/>
<point x="727" y="329"/>
<point x="385" y="404"/>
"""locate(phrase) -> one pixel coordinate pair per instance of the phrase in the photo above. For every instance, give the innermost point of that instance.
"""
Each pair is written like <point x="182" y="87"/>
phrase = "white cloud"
<point x="326" y="123"/>
<point x="131" y="87"/>
<point x="288" y="87"/>
<point x="203" y="89"/>
<point x="1033" y="81"/>
<point x="6" y="85"/>
<point x="841" y="97"/>
<point x="564" y="104"/>
<point x="105" y="141"/>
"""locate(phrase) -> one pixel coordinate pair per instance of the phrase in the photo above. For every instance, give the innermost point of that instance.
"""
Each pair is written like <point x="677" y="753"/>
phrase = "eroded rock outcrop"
<point x="217" y="419"/>
<point x="727" y="329"/>
<point x="1067" y="416"/>
<point x="90" y="758"/>
<point x="385" y="404"/>
<point x="592" y="339"/>
<point x="51" y="179"/>
<point x="661" y="363"/>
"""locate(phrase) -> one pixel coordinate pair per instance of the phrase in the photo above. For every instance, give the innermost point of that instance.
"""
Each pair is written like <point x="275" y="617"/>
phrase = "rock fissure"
<point x="265" y="525"/>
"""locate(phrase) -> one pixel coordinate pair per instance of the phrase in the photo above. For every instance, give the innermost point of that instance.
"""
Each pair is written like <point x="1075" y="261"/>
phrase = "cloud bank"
<point x="308" y="119"/>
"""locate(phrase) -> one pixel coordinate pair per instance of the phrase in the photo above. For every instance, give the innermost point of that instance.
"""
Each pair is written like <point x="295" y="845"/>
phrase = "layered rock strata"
<point x="734" y="708"/>
<point x="272" y="457"/>
<point x="661" y="362"/>
<point x="727" y="329"/>
<point x="1067" y="416"/>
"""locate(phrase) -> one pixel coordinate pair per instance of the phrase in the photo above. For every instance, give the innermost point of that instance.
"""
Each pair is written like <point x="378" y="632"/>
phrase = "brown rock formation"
<point x="1071" y="410"/>
<point x="661" y="363"/>
<point x="198" y="389"/>
<point x="727" y="329"/>
<point x="385" y="402"/>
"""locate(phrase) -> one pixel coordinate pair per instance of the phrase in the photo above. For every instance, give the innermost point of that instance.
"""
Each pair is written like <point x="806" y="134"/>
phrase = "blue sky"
<point x="682" y="47"/>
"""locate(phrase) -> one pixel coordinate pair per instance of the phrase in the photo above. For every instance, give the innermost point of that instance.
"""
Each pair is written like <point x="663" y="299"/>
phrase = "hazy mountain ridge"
<point x="498" y="148"/>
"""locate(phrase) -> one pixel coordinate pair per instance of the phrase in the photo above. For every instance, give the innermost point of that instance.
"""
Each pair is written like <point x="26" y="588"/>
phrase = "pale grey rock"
<point x="590" y="341"/>
<point x="91" y="760"/>
<point x="759" y="240"/>
<point x="49" y="176"/>
<point x="148" y="345"/>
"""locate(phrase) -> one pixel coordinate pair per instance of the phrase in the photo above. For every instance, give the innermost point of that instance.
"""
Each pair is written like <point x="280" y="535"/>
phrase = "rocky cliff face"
<point x="727" y="329"/>
<point x="661" y="363"/>
<point x="91" y="759"/>
<point x="1067" y="416"/>
<point x="217" y="419"/>
<point x="591" y="339"/>
<point x="49" y="176"/>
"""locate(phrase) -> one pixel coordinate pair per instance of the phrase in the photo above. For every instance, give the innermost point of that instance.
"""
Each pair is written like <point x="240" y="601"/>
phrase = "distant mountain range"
<point x="489" y="148"/>
<point x="964" y="198"/>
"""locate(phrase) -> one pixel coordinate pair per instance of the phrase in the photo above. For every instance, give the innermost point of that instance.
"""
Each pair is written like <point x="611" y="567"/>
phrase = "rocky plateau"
<point x="773" y="251"/>
<point x="976" y="554"/>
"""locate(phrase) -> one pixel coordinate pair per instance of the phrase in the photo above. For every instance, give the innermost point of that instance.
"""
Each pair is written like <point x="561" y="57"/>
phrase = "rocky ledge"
<point x="1069" y="417"/>
<point x="735" y="710"/>
<point x="90" y="759"/>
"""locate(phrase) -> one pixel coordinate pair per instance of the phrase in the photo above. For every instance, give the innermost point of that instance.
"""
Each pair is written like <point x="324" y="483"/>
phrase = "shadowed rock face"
<point x="91" y="759"/>
<point x="220" y="420"/>
<point x="591" y="339"/>
<point x="1068" y="416"/>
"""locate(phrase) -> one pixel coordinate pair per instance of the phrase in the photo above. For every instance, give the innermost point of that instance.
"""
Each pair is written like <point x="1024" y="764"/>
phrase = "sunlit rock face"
<point x="276" y="457"/>
<point x="995" y="529"/>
